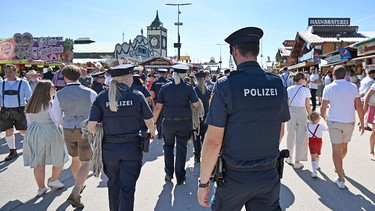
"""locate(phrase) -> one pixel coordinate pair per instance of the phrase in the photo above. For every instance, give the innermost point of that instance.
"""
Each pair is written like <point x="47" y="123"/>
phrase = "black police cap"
<point x="180" y="68"/>
<point x="98" y="74"/>
<point x="200" y="74"/>
<point x="245" y="35"/>
<point x="119" y="70"/>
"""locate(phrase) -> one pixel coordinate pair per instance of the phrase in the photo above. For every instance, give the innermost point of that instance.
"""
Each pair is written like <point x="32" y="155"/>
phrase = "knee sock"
<point x="313" y="164"/>
<point x="317" y="163"/>
<point x="11" y="141"/>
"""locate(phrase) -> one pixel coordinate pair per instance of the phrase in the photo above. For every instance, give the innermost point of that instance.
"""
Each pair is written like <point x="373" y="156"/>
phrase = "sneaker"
<point x="340" y="184"/>
<point x="12" y="154"/>
<point x="289" y="161"/>
<point x="41" y="192"/>
<point x="368" y="128"/>
<point x="372" y="157"/>
<point x="168" y="178"/>
<point x="55" y="184"/>
<point x="75" y="200"/>
<point x="181" y="182"/>
<point x="314" y="175"/>
<point x="298" y="166"/>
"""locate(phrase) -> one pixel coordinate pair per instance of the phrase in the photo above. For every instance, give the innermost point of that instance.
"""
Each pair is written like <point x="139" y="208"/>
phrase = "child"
<point x="315" y="140"/>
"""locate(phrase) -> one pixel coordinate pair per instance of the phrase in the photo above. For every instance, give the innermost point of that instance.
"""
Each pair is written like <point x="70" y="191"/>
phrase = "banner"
<point x="26" y="47"/>
<point x="344" y="53"/>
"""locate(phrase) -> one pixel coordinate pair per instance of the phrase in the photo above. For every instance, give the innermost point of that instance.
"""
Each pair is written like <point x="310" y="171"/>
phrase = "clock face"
<point x="164" y="42"/>
<point x="154" y="41"/>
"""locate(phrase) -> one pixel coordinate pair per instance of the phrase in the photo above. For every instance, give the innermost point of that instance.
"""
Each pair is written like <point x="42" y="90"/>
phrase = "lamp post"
<point x="178" y="24"/>
<point x="220" y="62"/>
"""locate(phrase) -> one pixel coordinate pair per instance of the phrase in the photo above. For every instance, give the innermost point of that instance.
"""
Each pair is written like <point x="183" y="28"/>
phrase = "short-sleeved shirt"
<point x="313" y="77"/>
<point x="365" y="85"/>
<point x="341" y="95"/>
<point x="157" y="84"/>
<point x="297" y="95"/>
<point x="11" y="101"/>
<point x="142" y="89"/>
<point x="129" y="119"/>
<point x="286" y="80"/>
<point x="319" y="131"/>
<point x="176" y="99"/>
<point x="257" y="100"/>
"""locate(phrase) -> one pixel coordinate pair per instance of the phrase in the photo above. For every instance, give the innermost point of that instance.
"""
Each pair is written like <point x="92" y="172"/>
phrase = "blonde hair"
<point x="177" y="77"/>
<point x="113" y="91"/>
<point x="314" y="117"/>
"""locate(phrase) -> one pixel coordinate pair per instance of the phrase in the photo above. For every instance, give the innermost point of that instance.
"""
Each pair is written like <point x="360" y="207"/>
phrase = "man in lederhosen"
<point x="14" y="92"/>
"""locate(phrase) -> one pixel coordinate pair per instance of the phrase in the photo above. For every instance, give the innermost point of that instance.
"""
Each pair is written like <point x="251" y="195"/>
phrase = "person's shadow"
<point x="335" y="198"/>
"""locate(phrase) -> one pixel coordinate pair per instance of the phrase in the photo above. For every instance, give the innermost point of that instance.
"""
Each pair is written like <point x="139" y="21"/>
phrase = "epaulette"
<point x="235" y="72"/>
<point x="271" y="73"/>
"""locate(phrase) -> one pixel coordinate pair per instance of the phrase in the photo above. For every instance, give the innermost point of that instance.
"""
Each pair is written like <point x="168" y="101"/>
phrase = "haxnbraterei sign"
<point x="328" y="21"/>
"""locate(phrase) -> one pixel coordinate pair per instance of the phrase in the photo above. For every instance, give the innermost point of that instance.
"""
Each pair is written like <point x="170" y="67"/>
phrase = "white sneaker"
<point x="340" y="184"/>
<point x="55" y="184"/>
<point x="314" y="175"/>
<point x="42" y="191"/>
<point x="298" y="165"/>
<point x="289" y="161"/>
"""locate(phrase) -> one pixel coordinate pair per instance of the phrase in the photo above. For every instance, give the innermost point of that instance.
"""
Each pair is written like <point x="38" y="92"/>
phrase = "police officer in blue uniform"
<point x="155" y="88"/>
<point x="246" y="113"/>
<point x="176" y="98"/>
<point x="138" y="85"/>
<point x="203" y="93"/>
<point x="98" y="82"/>
<point x="122" y="111"/>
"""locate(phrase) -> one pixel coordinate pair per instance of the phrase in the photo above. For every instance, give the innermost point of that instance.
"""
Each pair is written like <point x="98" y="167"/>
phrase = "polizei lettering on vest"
<point x="260" y="92"/>
<point x="122" y="103"/>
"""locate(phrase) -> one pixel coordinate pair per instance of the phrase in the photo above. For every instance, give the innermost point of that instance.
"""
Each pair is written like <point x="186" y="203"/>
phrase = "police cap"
<point x="200" y="74"/>
<point x="98" y="74"/>
<point x="180" y="68"/>
<point x="137" y="76"/>
<point x="119" y="70"/>
<point x="245" y="35"/>
<point x="162" y="70"/>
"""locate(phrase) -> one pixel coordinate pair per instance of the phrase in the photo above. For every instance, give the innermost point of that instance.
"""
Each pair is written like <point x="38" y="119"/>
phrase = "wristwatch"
<point x="203" y="185"/>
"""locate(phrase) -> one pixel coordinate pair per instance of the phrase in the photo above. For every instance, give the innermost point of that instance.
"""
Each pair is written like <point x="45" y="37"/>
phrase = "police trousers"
<point x="122" y="165"/>
<point x="256" y="190"/>
<point x="176" y="132"/>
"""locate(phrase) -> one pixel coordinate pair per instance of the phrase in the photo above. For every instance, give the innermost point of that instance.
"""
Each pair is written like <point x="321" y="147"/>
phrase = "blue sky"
<point x="205" y="23"/>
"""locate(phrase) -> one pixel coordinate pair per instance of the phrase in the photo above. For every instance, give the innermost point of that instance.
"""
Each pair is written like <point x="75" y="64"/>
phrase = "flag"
<point x="344" y="53"/>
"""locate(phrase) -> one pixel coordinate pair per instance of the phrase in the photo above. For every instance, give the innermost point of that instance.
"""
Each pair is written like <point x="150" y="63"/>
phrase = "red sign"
<point x="289" y="43"/>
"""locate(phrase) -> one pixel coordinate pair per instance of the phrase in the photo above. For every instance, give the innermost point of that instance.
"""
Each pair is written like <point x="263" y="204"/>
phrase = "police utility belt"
<point x="119" y="139"/>
<point x="255" y="168"/>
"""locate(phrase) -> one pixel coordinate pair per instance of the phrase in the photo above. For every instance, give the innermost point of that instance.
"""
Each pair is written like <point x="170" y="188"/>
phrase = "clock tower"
<point x="157" y="36"/>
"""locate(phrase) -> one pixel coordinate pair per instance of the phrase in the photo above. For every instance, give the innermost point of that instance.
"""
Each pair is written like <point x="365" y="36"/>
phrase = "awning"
<point x="333" y="64"/>
<point x="363" y="57"/>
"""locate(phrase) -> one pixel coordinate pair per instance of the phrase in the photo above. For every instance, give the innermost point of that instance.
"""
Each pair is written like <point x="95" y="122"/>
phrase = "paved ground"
<point x="298" y="192"/>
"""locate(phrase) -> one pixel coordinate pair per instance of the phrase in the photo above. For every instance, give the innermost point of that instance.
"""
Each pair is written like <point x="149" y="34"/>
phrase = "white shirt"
<point x="365" y="85"/>
<point x="319" y="131"/>
<point x="57" y="112"/>
<point x="327" y="80"/>
<point x="299" y="96"/>
<point x="341" y="95"/>
<point x="313" y="77"/>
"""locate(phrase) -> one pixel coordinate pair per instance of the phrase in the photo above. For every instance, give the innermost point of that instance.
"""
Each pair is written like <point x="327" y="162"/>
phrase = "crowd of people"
<point x="224" y="116"/>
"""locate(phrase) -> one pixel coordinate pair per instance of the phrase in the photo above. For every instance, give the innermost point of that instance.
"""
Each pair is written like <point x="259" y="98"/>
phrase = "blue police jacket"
<point x="157" y="84"/>
<point x="251" y="104"/>
<point x="97" y="87"/>
<point x="128" y="120"/>
<point x="205" y="98"/>
<point x="141" y="88"/>
<point x="176" y="99"/>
